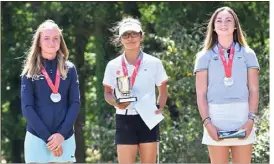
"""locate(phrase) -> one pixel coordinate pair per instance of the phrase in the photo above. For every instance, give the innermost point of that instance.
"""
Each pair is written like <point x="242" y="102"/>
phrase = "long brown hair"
<point x="32" y="64"/>
<point x="211" y="35"/>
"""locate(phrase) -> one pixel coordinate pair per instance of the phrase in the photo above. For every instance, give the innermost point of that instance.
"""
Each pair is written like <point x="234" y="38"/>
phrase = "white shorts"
<point x="229" y="117"/>
<point x="37" y="151"/>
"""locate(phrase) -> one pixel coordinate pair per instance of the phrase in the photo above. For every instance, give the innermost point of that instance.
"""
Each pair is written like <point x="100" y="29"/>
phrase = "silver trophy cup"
<point x="125" y="95"/>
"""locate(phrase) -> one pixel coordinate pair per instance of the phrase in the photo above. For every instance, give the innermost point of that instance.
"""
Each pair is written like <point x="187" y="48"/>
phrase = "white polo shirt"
<point x="151" y="72"/>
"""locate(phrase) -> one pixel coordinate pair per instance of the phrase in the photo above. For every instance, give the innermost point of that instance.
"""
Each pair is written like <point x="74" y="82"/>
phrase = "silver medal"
<point x="228" y="81"/>
<point x="55" y="97"/>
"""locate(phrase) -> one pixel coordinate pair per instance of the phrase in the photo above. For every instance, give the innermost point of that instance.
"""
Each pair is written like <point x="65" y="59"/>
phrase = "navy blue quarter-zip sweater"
<point x="44" y="117"/>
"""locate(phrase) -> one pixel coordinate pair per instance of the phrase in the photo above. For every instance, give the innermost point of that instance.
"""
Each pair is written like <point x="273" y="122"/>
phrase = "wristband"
<point x="252" y="116"/>
<point x="206" y="119"/>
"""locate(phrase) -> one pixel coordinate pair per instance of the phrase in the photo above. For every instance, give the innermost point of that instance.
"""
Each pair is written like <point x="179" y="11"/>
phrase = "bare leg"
<point x="218" y="154"/>
<point x="127" y="153"/>
<point x="148" y="152"/>
<point x="241" y="154"/>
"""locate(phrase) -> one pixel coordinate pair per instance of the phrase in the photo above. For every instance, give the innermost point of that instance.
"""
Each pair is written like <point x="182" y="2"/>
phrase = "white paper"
<point x="146" y="109"/>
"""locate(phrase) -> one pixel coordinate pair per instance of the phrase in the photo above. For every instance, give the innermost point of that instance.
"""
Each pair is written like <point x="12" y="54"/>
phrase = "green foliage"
<point x="261" y="148"/>
<point x="179" y="143"/>
<point x="174" y="32"/>
<point x="101" y="142"/>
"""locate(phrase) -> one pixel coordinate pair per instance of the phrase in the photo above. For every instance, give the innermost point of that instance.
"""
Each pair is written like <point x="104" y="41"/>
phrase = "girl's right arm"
<point x="201" y="91"/>
<point x="27" y="106"/>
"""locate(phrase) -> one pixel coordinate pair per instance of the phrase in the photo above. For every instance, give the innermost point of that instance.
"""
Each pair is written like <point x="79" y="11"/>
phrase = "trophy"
<point x="222" y="134"/>
<point x="125" y="95"/>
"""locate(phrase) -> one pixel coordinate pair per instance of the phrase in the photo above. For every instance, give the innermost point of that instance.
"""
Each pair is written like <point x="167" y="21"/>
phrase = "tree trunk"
<point x="80" y="42"/>
<point x="16" y="140"/>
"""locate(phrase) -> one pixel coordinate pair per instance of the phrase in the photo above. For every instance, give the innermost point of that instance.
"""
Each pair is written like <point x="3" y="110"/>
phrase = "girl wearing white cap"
<point x="227" y="89"/>
<point x="133" y="75"/>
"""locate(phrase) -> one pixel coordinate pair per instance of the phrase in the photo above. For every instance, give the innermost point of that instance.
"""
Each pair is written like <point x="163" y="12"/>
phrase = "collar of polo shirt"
<point x="215" y="48"/>
<point x="130" y="26"/>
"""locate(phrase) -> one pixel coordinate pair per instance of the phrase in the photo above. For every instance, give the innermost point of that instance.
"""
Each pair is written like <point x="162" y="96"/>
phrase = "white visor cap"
<point x="130" y="26"/>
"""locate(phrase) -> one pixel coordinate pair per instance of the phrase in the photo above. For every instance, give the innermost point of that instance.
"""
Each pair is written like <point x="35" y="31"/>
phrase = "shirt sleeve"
<point x="161" y="75"/>
<point x="28" y="111"/>
<point x="251" y="59"/>
<point x="201" y="62"/>
<point x="74" y="104"/>
<point x="109" y="76"/>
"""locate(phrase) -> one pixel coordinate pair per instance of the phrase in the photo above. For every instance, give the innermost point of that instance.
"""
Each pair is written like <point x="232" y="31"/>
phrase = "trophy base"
<point x="126" y="100"/>
<point x="231" y="134"/>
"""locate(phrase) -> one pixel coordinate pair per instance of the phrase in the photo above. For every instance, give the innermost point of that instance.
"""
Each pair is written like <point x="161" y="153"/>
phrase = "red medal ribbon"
<point x="134" y="74"/>
<point x="227" y="66"/>
<point x="55" y="87"/>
